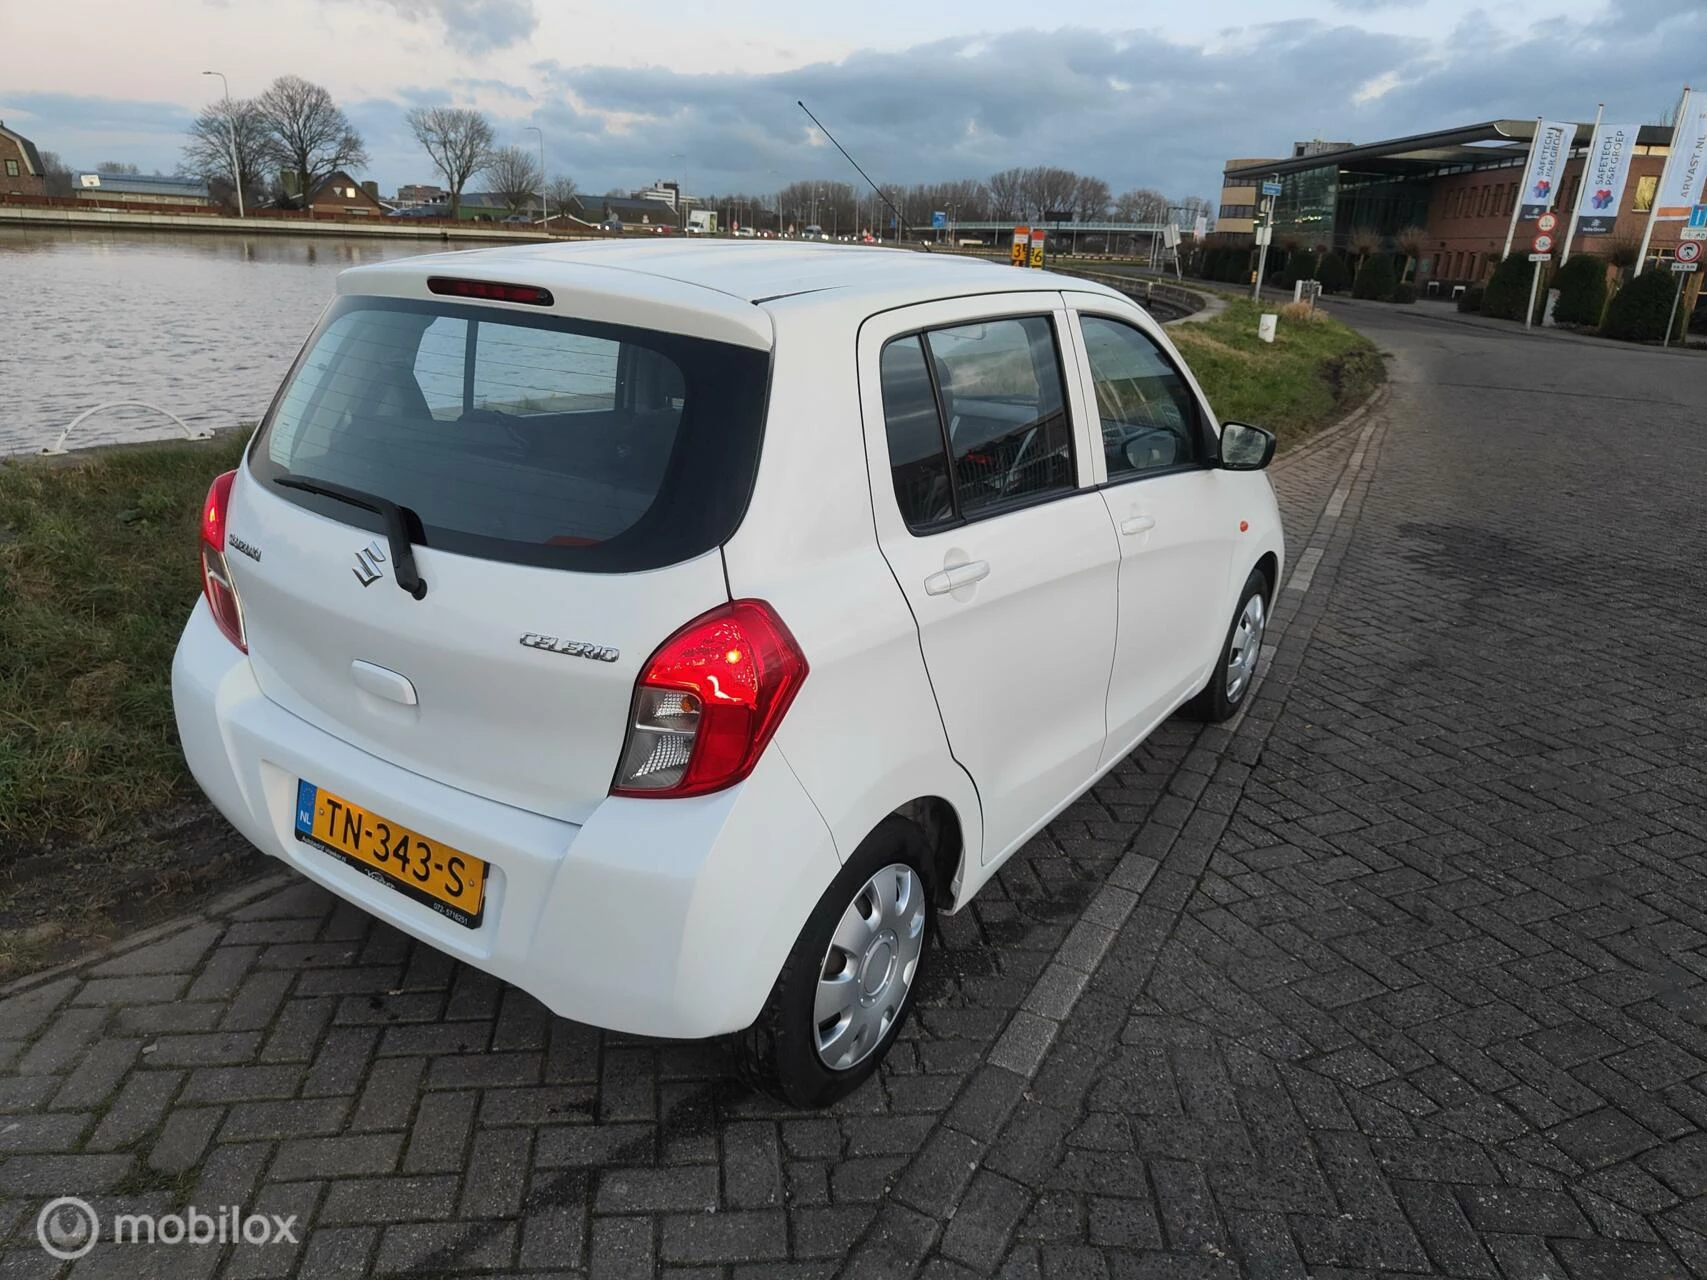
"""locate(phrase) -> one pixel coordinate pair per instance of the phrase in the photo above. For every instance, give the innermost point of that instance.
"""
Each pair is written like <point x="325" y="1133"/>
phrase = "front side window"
<point x="1149" y="415"/>
<point x="533" y="439"/>
<point x="976" y="420"/>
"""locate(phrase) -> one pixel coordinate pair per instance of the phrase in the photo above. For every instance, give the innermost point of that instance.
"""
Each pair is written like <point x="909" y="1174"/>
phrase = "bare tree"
<point x="1091" y="198"/>
<point x="514" y="176"/>
<point x="1412" y="240"/>
<point x="1143" y="204"/>
<point x="1006" y="198"/>
<point x="562" y="196"/>
<point x="219" y="129"/>
<point x="1363" y="242"/>
<point x="1047" y="189"/>
<point x="116" y="166"/>
<point x="458" y="142"/>
<point x="308" y="134"/>
<point x="56" y="174"/>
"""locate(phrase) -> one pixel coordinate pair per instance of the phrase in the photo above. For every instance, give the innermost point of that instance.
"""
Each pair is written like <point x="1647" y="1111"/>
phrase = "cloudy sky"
<point x="1139" y="92"/>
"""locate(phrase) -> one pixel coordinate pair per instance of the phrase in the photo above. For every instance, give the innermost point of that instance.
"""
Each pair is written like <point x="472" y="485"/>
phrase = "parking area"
<point x="1401" y="973"/>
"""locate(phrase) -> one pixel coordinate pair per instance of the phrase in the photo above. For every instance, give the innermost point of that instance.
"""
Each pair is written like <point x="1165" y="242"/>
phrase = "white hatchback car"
<point x="671" y="630"/>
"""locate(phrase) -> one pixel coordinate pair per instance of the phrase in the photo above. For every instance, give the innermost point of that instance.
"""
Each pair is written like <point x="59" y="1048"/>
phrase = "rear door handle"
<point x="1137" y="525"/>
<point x="961" y="575"/>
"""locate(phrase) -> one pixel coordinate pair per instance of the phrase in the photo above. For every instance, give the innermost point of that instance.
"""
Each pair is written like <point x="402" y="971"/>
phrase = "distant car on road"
<point x="421" y="211"/>
<point x="611" y="225"/>
<point x="744" y="233"/>
<point x="777" y="599"/>
<point x="518" y="217"/>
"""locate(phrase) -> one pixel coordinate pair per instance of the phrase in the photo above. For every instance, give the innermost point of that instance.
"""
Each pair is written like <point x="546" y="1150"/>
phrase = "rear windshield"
<point x="533" y="439"/>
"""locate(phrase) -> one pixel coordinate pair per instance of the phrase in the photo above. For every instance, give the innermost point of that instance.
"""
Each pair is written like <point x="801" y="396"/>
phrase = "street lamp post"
<point x="543" y="223"/>
<point x="231" y="132"/>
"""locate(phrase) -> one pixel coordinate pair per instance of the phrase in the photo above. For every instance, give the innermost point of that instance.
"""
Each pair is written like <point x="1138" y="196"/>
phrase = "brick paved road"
<point x="1402" y="974"/>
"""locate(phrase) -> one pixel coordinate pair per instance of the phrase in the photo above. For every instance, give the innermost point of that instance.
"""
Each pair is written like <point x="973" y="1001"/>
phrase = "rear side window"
<point x="976" y="420"/>
<point x="532" y="439"/>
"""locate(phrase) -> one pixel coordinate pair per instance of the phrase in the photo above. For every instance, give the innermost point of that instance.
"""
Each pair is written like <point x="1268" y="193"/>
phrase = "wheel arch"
<point x="940" y="822"/>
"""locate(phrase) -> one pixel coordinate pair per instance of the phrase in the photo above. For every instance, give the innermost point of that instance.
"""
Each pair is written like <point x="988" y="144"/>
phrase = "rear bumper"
<point x="656" y="917"/>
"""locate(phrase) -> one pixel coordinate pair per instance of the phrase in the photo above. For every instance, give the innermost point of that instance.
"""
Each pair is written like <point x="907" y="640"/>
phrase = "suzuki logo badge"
<point x="368" y="560"/>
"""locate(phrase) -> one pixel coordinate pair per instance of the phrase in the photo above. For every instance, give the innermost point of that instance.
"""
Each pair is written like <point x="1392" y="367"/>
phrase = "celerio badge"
<point x="571" y="648"/>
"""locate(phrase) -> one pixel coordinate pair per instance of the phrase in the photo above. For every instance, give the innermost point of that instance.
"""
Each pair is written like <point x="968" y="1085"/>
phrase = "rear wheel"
<point x="850" y="981"/>
<point x="1235" y="669"/>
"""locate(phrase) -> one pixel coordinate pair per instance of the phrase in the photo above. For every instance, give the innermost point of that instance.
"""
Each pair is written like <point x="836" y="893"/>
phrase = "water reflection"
<point x="204" y="325"/>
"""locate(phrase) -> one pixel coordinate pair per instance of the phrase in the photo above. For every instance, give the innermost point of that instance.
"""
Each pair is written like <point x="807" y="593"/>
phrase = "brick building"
<point x="21" y="172"/>
<point x="1458" y="185"/>
<point x="339" y="193"/>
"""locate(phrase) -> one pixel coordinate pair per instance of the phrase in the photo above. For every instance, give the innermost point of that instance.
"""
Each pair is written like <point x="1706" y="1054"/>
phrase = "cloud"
<point x="1132" y="106"/>
<point x="1374" y="6"/>
<point x="474" y="26"/>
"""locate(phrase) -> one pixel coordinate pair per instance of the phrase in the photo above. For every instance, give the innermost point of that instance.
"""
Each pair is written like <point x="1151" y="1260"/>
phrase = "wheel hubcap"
<point x="1246" y="649"/>
<point x="869" y="966"/>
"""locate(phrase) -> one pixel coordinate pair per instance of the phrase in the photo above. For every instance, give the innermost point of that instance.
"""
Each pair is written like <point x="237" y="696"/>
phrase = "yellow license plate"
<point x="451" y="882"/>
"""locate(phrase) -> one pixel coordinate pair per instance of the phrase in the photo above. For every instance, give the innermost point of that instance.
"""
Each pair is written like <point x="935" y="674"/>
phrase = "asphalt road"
<point x="1403" y="973"/>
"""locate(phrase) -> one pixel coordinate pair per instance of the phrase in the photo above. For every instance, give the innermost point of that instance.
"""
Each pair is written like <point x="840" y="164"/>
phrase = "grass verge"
<point x="99" y="822"/>
<point x="1312" y="374"/>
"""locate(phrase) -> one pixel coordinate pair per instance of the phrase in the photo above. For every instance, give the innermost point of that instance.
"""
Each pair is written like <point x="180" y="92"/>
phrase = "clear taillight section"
<point x="217" y="586"/>
<point x="708" y="701"/>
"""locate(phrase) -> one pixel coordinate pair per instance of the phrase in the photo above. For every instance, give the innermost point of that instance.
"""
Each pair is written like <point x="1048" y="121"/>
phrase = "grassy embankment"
<point x="1309" y="376"/>
<point x="101" y="827"/>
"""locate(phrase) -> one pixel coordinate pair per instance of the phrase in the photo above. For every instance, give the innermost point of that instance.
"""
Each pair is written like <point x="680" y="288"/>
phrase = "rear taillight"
<point x="217" y="586"/>
<point x="708" y="701"/>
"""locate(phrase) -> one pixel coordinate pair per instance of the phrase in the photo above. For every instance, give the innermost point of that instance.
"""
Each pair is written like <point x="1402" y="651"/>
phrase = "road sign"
<point x="1689" y="251"/>
<point x="1271" y="188"/>
<point x="1546" y="222"/>
<point x="939" y="220"/>
<point x="1692" y="233"/>
<point x="1698" y="216"/>
<point x="1681" y="267"/>
<point x="1540" y="257"/>
<point x="1543" y="243"/>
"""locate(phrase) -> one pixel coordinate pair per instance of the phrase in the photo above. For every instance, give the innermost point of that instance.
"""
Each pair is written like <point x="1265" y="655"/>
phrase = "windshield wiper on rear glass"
<point x="402" y="526"/>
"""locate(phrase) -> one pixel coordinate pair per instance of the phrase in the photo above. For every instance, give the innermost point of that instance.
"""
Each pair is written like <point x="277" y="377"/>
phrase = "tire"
<point x="781" y="1052"/>
<point x="1225" y="693"/>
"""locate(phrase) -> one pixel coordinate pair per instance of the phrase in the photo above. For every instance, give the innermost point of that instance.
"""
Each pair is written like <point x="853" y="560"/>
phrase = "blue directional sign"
<point x="939" y="220"/>
<point x="1698" y="216"/>
<point x="1271" y="188"/>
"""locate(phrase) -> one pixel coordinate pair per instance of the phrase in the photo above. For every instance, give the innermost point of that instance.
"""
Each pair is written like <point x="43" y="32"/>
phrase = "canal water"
<point x="201" y="325"/>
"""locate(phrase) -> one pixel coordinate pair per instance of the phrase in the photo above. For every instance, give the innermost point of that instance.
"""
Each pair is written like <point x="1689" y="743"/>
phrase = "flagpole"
<point x="1511" y="231"/>
<point x="1582" y="184"/>
<point x="1665" y="172"/>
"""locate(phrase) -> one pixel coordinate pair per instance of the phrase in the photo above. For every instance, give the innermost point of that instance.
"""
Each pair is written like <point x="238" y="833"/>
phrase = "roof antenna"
<point x="900" y="227"/>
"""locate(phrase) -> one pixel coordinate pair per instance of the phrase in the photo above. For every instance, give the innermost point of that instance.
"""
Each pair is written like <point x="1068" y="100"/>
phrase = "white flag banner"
<point x="1546" y="164"/>
<point x="1200" y="227"/>
<point x="1685" y="176"/>
<point x="1605" y="171"/>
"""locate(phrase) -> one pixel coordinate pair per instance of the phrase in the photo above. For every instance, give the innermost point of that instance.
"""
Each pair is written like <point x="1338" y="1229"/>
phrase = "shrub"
<point x="1375" y="280"/>
<point x="1405" y="293"/>
<point x="1581" y="283"/>
<point x="1507" y="292"/>
<point x="1334" y="274"/>
<point x="1302" y="313"/>
<point x="1299" y="266"/>
<point x="1471" y="299"/>
<point x="1638" y="312"/>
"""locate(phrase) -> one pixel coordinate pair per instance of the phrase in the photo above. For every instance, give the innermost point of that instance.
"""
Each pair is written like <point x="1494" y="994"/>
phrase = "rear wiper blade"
<point x="402" y="526"/>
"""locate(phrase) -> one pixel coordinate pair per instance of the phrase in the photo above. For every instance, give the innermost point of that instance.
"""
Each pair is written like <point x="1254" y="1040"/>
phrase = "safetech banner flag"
<point x="1681" y="185"/>
<point x="1546" y="163"/>
<point x="1605" y="171"/>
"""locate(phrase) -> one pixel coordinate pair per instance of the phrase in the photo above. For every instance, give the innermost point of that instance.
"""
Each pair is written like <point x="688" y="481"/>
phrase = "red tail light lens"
<point x="533" y="295"/>
<point x="217" y="586"/>
<point x="708" y="701"/>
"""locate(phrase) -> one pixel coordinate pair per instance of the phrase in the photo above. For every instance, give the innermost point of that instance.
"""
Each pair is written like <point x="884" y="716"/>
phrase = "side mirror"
<point x="1244" y="447"/>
